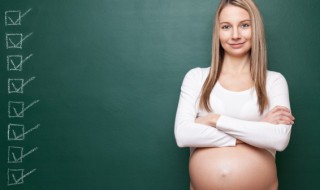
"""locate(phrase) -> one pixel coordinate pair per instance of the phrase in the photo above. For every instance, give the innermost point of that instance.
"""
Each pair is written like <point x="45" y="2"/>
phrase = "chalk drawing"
<point x="14" y="41"/>
<point x="16" y="132"/>
<point x="17" y="109"/>
<point x="16" y="154"/>
<point x="15" y="62"/>
<point x="13" y="18"/>
<point x="17" y="85"/>
<point x="16" y="176"/>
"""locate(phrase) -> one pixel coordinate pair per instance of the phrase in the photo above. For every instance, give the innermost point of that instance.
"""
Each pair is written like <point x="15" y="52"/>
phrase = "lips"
<point x="237" y="45"/>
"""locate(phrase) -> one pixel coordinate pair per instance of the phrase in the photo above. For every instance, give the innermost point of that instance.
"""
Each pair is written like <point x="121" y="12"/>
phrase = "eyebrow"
<point x="240" y="21"/>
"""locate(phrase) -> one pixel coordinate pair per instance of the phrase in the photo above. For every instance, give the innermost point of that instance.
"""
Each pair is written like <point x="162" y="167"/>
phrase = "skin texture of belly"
<point x="242" y="167"/>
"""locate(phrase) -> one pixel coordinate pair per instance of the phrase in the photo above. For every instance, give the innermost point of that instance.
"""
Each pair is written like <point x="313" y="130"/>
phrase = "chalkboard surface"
<point x="89" y="90"/>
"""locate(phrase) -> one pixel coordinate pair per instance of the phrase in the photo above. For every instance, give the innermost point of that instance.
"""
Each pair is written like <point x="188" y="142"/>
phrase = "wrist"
<point x="213" y="119"/>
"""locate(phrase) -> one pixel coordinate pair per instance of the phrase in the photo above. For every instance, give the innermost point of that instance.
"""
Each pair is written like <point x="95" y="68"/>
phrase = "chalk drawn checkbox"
<point x="15" y="62"/>
<point x="17" y="85"/>
<point x="14" y="17"/>
<point x="16" y="176"/>
<point x="17" y="109"/>
<point x="16" y="154"/>
<point x="15" y="41"/>
<point x="16" y="132"/>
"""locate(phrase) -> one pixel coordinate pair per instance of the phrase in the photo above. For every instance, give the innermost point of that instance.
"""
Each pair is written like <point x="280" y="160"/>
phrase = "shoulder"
<point x="195" y="78"/>
<point x="273" y="74"/>
<point x="198" y="74"/>
<point x="275" y="79"/>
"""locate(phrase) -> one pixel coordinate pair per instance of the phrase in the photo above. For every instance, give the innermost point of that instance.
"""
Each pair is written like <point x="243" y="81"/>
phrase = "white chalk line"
<point x="30" y="130"/>
<point x="18" y="21"/>
<point x="19" y="66"/>
<point x="23" y="176"/>
<point x="12" y="131"/>
<point x="14" y="22"/>
<point x="24" y="60"/>
<point x="23" y="155"/>
<point x="25" y="13"/>
<point x="13" y="150"/>
<point x="19" y="180"/>
<point x="15" y="135"/>
<point x="24" y="109"/>
<point x="15" y="180"/>
<point x="18" y="89"/>
<point x="18" y="45"/>
<point x="24" y="38"/>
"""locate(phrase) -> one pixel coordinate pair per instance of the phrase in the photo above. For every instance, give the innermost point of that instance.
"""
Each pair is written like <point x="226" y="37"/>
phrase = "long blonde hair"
<point x="258" y="55"/>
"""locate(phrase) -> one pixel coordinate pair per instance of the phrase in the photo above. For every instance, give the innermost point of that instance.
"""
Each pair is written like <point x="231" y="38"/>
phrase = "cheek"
<point x="247" y="34"/>
<point x="224" y="36"/>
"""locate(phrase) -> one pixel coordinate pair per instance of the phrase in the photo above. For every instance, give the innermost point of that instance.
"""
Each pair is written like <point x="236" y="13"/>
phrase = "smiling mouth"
<point x="237" y="45"/>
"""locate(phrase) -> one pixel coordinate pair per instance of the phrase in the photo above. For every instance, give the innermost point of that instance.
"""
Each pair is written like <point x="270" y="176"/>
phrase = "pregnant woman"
<point x="235" y="114"/>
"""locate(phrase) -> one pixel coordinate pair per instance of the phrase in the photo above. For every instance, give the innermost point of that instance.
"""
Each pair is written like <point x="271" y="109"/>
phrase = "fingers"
<point x="284" y="120"/>
<point x="280" y="108"/>
<point x="282" y="115"/>
<point x="281" y="121"/>
<point x="279" y="115"/>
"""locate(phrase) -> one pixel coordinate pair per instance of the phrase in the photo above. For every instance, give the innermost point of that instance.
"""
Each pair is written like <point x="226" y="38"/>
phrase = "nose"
<point x="235" y="33"/>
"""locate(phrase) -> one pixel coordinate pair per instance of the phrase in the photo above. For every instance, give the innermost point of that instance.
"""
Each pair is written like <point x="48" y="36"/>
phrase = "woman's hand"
<point x="279" y="115"/>
<point x="209" y="119"/>
<point x="239" y="142"/>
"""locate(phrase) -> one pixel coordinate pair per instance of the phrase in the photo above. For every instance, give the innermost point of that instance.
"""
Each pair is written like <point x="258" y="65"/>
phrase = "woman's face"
<point x="235" y="31"/>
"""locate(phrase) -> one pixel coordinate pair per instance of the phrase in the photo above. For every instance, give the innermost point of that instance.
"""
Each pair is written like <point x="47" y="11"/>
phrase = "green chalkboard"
<point x="89" y="90"/>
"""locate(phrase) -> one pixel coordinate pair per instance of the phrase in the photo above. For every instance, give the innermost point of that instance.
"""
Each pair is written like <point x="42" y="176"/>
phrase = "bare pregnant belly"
<point x="242" y="167"/>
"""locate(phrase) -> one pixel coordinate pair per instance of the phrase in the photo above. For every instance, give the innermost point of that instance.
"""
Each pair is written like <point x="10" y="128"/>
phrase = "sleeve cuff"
<point x="221" y="122"/>
<point x="232" y="142"/>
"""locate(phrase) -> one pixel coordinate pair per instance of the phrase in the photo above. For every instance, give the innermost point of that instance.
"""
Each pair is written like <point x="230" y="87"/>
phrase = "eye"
<point x="225" y="27"/>
<point x="245" y="25"/>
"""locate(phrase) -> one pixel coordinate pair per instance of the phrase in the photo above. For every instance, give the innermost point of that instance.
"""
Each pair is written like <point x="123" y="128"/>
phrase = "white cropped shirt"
<point x="239" y="115"/>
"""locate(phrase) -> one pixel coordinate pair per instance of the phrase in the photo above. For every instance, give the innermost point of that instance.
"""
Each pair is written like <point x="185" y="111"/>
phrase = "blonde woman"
<point x="236" y="114"/>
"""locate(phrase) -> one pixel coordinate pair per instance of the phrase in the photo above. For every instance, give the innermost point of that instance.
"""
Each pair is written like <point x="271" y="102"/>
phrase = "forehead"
<point x="232" y="13"/>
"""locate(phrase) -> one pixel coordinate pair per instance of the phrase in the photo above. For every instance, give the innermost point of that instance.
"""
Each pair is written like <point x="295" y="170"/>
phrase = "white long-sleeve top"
<point x="239" y="115"/>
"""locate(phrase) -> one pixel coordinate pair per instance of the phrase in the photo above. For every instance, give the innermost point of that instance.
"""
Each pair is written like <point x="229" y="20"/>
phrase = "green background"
<point x="108" y="76"/>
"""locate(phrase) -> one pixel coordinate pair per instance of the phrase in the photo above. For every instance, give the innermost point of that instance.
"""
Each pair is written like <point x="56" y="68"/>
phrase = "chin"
<point x="238" y="53"/>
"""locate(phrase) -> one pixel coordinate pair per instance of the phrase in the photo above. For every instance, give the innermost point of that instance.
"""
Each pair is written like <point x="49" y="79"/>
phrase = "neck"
<point x="236" y="65"/>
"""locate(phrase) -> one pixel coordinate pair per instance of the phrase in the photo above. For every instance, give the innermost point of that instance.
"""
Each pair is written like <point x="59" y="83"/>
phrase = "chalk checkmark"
<point x="15" y="62"/>
<point x="16" y="154"/>
<point x="15" y="40"/>
<point x="22" y="133"/>
<point x="23" y="176"/>
<point x="14" y="17"/>
<point x="17" y="109"/>
<point x="13" y="173"/>
<point x="17" y="85"/>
